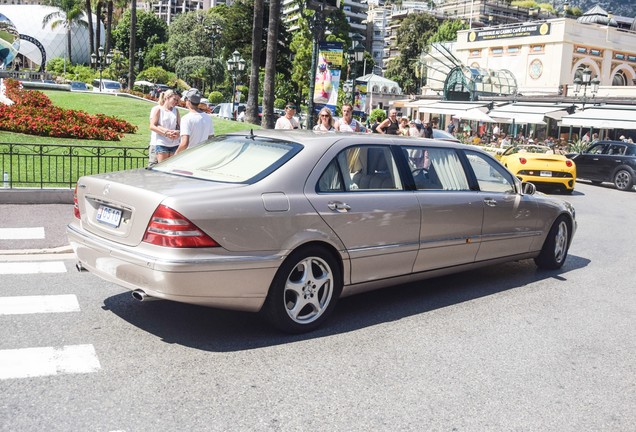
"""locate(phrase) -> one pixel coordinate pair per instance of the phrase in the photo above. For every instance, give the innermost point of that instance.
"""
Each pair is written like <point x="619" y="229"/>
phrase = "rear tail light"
<point x="76" y="211"/>
<point x="169" y="228"/>
<point x="523" y="161"/>
<point x="568" y="163"/>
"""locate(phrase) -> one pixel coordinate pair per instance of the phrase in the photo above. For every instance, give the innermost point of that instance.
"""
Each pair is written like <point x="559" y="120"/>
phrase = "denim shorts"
<point x="165" y="149"/>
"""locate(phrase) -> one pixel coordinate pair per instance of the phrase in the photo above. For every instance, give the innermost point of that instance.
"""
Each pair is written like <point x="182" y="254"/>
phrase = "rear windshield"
<point x="112" y="85"/>
<point x="231" y="159"/>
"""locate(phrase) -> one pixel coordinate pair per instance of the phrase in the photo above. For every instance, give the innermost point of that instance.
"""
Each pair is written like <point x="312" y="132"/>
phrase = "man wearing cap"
<point x="288" y="121"/>
<point x="196" y="126"/>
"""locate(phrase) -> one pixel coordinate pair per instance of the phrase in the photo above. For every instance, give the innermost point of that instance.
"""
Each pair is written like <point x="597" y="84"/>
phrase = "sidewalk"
<point x="27" y="229"/>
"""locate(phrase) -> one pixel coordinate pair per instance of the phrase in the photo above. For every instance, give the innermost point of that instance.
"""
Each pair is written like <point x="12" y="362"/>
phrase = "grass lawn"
<point x="133" y="110"/>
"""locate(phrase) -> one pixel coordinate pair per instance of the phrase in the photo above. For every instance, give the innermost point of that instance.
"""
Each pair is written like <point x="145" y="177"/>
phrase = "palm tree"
<point x="70" y="14"/>
<point x="270" y="64"/>
<point x="88" y="8"/>
<point x="109" y="24"/>
<point x="133" y="40"/>
<point x="251" y="112"/>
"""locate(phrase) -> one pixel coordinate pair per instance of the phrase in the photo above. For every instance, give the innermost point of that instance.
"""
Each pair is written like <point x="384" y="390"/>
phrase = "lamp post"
<point x="235" y="65"/>
<point x="163" y="58"/>
<point x="140" y="58"/>
<point x="214" y="31"/>
<point x="100" y="62"/>
<point x="356" y="55"/>
<point x="584" y="82"/>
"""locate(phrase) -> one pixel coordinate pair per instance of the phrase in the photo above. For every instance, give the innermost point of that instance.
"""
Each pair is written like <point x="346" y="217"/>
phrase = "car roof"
<point x="309" y="138"/>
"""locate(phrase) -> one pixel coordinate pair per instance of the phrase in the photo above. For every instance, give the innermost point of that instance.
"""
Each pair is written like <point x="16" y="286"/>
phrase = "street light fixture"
<point x="101" y="61"/>
<point x="584" y="82"/>
<point x="163" y="58"/>
<point x="214" y="30"/>
<point x="356" y="55"/>
<point x="235" y="65"/>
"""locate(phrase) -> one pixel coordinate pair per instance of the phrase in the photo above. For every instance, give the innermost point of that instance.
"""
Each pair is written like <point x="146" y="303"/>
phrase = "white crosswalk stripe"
<point x="22" y="233"/>
<point x="38" y="304"/>
<point x="33" y="362"/>
<point x="32" y="267"/>
<point x="46" y="361"/>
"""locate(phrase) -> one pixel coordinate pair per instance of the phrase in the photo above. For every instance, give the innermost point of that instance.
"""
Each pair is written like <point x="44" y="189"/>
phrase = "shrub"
<point x="34" y="114"/>
<point x="378" y="112"/>
<point x="215" y="97"/>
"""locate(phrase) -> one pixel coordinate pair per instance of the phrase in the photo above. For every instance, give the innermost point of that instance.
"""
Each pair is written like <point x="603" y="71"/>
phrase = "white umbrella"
<point x="144" y="83"/>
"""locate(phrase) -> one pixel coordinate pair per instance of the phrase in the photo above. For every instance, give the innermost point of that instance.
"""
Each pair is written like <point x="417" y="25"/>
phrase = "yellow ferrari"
<point x="539" y="165"/>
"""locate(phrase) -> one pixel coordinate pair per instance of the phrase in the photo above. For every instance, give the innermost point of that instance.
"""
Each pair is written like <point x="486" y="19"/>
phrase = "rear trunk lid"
<point x="118" y="206"/>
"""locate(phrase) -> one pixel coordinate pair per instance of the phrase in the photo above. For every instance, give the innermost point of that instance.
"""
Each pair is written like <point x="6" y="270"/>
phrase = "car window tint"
<point x="491" y="176"/>
<point x="331" y="179"/>
<point x="596" y="149"/>
<point x="362" y="168"/>
<point x="616" y="149"/>
<point x="436" y="168"/>
<point x="231" y="159"/>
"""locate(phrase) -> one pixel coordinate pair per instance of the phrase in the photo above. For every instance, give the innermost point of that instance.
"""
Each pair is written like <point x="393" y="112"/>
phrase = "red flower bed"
<point x="34" y="114"/>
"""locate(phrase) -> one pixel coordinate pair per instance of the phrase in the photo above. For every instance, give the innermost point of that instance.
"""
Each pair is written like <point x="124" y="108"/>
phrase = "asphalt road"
<point x="505" y="348"/>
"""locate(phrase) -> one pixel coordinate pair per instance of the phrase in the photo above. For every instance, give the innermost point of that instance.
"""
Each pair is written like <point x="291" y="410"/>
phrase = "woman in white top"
<point x="165" y="125"/>
<point x="325" y="121"/>
<point x="152" y="151"/>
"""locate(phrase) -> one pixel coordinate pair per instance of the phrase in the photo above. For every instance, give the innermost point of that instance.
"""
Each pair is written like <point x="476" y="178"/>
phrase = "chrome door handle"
<point x="339" y="206"/>
<point x="490" y="202"/>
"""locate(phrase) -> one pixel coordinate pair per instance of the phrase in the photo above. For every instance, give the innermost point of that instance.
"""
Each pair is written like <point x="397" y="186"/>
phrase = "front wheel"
<point x="304" y="291"/>
<point x="555" y="247"/>
<point x="623" y="180"/>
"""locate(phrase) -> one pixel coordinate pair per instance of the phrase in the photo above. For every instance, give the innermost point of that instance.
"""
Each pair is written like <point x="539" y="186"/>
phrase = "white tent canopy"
<point x="603" y="117"/>
<point x="474" y="114"/>
<point x="528" y="113"/>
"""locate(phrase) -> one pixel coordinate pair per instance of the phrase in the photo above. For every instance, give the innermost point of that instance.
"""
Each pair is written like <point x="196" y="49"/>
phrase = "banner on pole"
<point x="359" y="98"/>
<point x="328" y="71"/>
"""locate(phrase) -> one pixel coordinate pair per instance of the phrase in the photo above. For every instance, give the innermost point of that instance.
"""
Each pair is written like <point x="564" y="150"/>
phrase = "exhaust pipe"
<point x="142" y="296"/>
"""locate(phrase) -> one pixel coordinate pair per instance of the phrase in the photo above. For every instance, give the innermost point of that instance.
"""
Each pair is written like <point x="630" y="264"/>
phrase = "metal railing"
<point x="59" y="166"/>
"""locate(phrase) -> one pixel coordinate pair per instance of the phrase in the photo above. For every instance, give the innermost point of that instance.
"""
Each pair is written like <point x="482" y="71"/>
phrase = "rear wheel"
<point x="623" y="180"/>
<point x="555" y="247"/>
<point x="304" y="291"/>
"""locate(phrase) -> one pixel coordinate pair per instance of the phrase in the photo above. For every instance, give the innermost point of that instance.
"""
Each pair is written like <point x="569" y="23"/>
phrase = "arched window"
<point x="619" y="79"/>
<point x="375" y="89"/>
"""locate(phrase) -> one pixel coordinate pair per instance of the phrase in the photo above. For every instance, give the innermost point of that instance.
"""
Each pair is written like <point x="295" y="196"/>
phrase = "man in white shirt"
<point x="196" y="126"/>
<point x="288" y="121"/>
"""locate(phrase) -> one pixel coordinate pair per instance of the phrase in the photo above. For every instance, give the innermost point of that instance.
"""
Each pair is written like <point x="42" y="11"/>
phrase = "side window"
<point x="597" y="149"/>
<point x="491" y="176"/>
<point x="436" y="168"/>
<point x="361" y="168"/>
<point x="616" y="149"/>
<point x="331" y="180"/>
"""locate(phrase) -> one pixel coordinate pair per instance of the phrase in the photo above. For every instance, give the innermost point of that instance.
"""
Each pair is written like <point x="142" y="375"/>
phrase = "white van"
<point x="107" y="86"/>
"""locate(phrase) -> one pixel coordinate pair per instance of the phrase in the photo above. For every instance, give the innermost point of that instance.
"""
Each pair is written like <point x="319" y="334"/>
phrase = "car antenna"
<point x="252" y="133"/>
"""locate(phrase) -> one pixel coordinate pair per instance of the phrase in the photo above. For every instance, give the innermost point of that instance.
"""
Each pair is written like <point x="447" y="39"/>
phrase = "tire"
<point x="304" y="291"/>
<point x="555" y="247"/>
<point x="623" y="180"/>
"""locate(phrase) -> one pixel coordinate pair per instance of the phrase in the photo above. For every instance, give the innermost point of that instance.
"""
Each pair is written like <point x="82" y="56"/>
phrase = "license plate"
<point x="109" y="215"/>
<point x="546" y="173"/>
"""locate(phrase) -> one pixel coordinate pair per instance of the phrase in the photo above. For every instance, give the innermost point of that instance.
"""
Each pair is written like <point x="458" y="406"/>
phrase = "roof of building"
<point x="597" y="15"/>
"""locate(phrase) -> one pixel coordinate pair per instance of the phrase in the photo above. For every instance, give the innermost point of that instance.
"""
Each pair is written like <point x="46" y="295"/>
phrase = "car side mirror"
<point x="528" y="188"/>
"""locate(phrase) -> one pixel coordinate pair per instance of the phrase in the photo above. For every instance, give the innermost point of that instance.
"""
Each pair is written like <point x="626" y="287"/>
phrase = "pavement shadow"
<point x="216" y="330"/>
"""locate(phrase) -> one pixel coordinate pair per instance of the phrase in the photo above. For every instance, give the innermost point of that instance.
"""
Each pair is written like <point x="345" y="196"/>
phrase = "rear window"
<point x="111" y="85"/>
<point x="231" y="159"/>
